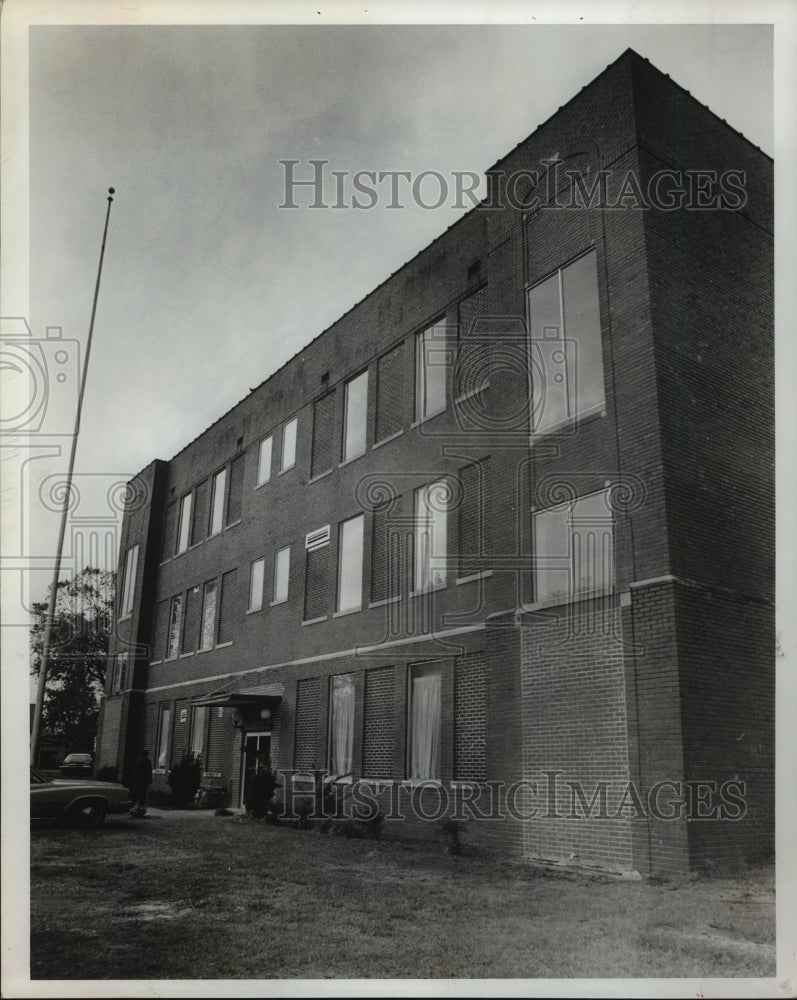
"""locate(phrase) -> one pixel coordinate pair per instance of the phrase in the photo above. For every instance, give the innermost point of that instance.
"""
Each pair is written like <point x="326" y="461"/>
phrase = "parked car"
<point x="84" y="803"/>
<point x="77" y="765"/>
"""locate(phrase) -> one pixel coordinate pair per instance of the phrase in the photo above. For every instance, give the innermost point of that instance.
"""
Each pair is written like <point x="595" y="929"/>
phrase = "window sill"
<point x="165" y="562"/>
<point x="215" y="534"/>
<point x="254" y="611"/>
<point x="124" y="618"/>
<point x="232" y="524"/>
<point x="471" y="392"/>
<point x="321" y="475"/>
<point x="425" y="420"/>
<point x="287" y="469"/>
<point x="346" y="611"/>
<point x="472" y="577"/>
<point x="419" y="782"/>
<point x="264" y="483"/>
<point x="428" y="590"/>
<point x="155" y="663"/>
<point x="348" y="461"/>
<point x="275" y="604"/>
<point x="206" y="649"/>
<point x="385" y="601"/>
<point x="314" y="621"/>
<point x="184" y="656"/>
<point x="563" y="601"/>
<point x="569" y="424"/>
<point x="388" y="439"/>
<point x="223" y="645"/>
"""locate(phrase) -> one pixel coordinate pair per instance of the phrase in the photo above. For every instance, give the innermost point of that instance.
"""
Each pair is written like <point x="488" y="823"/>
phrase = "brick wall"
<point x="378" y="723"/>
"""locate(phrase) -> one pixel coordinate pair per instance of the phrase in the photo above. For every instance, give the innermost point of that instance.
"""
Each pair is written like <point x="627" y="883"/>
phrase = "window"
<point x="282" y="562"/>
<point x="472" y="511"/>
<point x="162" y="758"/>
<point x="185" y="523"/>
<point x="430" y="536"/>
<point x="217" y="502"/>
<point x="191" y="619"/>
<point x="256" y="584"/>
<point x="424" y="721"/>
<point x="431" y="361"/>
<point x="350" y="564"/>
<point x="129" y="584"/>
<point x="264" y="461"/>
<point x="119" y="679"/>
<point x="288" y="445"/>
<point x="208" y="615"/>
<point x="199" y="526"/>
<point x="573" y="548"/>
<point x="566" y="348"/>
<point x="472" y="339"/>
<point x="355" y="416"/>
<point x="175" y="615"/>
<point x="199" y="728"/>
<point x="235" y="490"/>
<point x="386" y="550"/>
<point x="341" y="724"/>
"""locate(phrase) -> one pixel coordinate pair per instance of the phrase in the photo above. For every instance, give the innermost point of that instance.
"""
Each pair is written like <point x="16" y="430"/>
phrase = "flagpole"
<point x="49" y="620"/>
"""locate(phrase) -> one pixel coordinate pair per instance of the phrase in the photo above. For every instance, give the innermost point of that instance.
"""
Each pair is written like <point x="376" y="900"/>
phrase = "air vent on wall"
<point x="317" y="539"/>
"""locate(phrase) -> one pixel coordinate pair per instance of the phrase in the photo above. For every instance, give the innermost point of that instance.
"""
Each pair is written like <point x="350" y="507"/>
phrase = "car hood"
<point x="84" y="781"/>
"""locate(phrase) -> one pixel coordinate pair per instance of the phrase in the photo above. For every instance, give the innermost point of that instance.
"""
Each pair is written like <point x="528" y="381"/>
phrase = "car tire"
<point x="88" y="814"/>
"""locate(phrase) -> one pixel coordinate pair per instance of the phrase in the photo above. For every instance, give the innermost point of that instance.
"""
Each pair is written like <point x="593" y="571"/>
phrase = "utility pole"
<point x="48" y="624"/>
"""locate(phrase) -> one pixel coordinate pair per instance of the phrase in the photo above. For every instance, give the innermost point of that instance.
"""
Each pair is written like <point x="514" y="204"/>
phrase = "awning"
<point x="232" y="699"/>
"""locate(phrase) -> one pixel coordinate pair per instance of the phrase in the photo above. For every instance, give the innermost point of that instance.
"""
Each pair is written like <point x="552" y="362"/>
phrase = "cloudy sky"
<point x="208" y="285"/>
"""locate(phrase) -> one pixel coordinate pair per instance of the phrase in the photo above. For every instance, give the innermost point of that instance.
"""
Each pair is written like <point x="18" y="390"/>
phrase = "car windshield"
<point x="78" y="758"/>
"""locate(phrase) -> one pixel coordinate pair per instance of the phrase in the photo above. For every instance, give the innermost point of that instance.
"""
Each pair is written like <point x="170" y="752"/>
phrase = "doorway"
<point x="255" y="758"/>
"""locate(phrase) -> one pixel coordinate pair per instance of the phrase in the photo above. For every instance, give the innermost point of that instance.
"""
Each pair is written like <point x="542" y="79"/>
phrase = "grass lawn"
<point x="205" y="897"/>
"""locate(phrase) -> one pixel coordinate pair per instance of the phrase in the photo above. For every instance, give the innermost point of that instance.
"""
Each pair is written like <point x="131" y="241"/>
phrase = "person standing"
<point x="142" y="779"/>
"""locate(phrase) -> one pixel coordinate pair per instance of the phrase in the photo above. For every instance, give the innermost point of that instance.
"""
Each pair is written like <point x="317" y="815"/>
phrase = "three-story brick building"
<point x="503" y="534"/>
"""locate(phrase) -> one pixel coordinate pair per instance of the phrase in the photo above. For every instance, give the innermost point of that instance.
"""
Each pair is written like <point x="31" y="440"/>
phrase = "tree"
<point x="78" y="653"/>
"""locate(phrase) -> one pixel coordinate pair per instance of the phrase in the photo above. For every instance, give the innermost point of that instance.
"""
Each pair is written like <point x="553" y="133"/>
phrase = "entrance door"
<point x="257" y="749"/>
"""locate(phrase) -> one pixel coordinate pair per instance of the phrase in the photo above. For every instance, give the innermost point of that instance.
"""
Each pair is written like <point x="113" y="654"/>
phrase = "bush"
<point x="185" y="778"/>
<point x="260" y="789"/>
<point x="108" y="774"/>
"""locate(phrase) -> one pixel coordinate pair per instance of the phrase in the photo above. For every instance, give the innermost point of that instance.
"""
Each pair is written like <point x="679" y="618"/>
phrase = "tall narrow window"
<point x="431" y="517"/>
<point x="282" y="562"/>
<point x="566" y="347"/>
<point x="185" y="523"/>
<point x="199" y="526"/>
<point x="431" y="366"/>
<point x="235" y="490"/>
<point x="322" y="458"/>
<point x="288" y="445"/>
<point x="256" y="584"/>
<point x="199" y="729"/>
<point x="341" y="724"/>
<point x="389" y="415"/>
<point x="191" y="619"/>
<point x="228" y="606"/>
<point x="264" y="461"/>
<point x="208" y="614"/>
<point x="119" y="677"/>
<point x="163" y="739"/>
<point x="175" y="617"/>
<point x="317" y="574"/>
<point x="355" y="416"/>
<point x="217" y="502"/>
<point x="129" y="585"/>
<point x="574" y="548"/>
<point x="424" y="721"/>
<point x="350" y="564"/>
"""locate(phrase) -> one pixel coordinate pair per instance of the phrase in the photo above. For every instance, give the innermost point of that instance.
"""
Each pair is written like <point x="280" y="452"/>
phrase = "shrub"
<point x="259" y="797"/>
<point x="185" y="778"/>
<point x="451" y="831"/>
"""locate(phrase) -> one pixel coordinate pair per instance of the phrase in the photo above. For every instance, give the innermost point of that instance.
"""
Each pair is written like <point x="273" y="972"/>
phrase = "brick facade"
<point x="651" y="664"/>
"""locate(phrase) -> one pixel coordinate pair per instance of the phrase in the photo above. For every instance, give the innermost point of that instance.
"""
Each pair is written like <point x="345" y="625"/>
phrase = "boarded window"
<point x="181" y="730"/>
<point x="169" y="539"/>
<point x="150" y="729"/>
<point x="390" y="393"/>
<point x="217" y="728"/>
<point x="386" y="554"/>
<point x="471" y="521"/>
<point x="228" y="606"/>
<point x="160" y="631"/>
<point x="316" y="583"/>
<point x="470" y="718"/>
<point x="323" y="434"/>
<point x="308" y="696"/>
<point x="378" y="723"/>
<point x="471" y="359"/>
